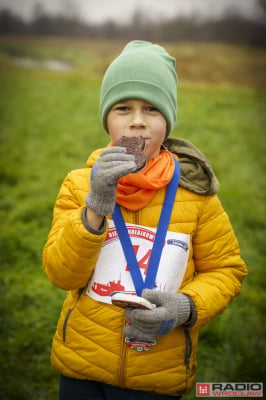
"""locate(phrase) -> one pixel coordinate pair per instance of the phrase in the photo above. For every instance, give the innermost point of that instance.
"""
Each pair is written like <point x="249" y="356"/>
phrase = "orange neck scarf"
<point x="135" y="191"/>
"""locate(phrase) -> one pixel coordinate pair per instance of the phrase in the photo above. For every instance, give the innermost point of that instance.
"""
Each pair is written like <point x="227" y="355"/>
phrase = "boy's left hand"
<point x="172" y="310"/>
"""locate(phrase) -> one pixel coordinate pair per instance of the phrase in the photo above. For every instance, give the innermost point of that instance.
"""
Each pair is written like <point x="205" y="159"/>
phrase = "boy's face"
<point x="133" y="118"/>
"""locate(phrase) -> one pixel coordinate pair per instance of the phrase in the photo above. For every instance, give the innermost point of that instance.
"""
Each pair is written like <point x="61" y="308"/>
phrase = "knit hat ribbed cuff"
<point x="143" y="90"/>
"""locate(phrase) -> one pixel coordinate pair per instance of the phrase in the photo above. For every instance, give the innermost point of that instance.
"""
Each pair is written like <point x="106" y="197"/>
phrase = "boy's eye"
<point x="152" y="109"/>
<point x="121" y="108"/>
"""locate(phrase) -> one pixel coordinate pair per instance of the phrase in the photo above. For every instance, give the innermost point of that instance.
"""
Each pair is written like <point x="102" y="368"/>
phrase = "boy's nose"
<point x="138" y="120"/>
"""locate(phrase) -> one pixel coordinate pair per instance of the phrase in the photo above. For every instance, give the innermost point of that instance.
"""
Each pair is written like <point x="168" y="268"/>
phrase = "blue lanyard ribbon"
<point x="158" y="241"/>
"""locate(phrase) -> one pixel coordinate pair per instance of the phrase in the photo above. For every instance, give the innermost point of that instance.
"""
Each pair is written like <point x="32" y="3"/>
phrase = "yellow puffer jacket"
<point x="89" y="341"/>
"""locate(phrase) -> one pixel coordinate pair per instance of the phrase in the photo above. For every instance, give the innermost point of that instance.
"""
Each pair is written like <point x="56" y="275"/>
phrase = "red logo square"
<point x="202" y="389"/>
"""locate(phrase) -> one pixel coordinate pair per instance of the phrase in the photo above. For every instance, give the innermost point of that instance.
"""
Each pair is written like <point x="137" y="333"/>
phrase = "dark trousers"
<point x="75" y="389"/>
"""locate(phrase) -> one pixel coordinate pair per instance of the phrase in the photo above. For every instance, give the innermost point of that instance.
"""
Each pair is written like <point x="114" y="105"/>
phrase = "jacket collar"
<point x="197" y="174"/>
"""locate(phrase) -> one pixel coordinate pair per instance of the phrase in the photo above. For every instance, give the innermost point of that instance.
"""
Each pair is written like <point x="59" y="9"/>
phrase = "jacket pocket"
<point x="65" y="324"/>
<point x="188" y="350"/>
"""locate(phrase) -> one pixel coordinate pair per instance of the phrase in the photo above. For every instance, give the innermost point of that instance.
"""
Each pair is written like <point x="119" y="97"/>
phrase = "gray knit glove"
<point x="112" y="164"/>
<point x="172" y="310"/>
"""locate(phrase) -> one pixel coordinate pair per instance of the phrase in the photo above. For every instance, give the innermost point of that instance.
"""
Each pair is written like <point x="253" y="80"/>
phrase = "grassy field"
<point x="50" y="124"/>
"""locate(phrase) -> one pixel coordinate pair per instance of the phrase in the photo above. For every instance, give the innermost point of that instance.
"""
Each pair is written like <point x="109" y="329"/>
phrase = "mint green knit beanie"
<point x="142" y="71"/>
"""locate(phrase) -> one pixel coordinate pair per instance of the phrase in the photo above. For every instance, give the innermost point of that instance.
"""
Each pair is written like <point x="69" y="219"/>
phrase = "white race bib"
<point x="111" y="273"/>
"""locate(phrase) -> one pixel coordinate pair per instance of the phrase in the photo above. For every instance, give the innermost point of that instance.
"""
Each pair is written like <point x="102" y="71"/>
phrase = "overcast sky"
<point x="122" y="10"/>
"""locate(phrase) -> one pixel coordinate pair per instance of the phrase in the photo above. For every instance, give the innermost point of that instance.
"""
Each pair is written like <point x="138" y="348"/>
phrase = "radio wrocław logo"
<point x="229" y="389"/>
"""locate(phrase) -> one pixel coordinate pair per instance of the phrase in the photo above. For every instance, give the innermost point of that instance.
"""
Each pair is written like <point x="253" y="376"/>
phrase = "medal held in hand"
<point x="122" y="299"/>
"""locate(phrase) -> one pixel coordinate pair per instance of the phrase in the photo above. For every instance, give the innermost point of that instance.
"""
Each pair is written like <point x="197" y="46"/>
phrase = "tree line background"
<point x="229" y="28"/>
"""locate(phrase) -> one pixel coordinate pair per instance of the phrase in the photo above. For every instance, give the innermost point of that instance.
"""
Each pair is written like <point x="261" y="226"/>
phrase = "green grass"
<point x="50" y="124"/>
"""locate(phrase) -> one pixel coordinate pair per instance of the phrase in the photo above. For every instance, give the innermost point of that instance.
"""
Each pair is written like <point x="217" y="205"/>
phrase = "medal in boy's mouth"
<point x="135" y="146"/>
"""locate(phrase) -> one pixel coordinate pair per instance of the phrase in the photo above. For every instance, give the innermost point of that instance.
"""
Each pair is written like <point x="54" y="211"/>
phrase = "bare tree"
<point x="38" y="11"/>
<point x="69" y="9"/>
<point x="262" y="4"/>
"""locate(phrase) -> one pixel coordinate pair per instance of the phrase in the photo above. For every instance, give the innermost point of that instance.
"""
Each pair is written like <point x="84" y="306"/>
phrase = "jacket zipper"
<point x="124" y="346"/>
<point x="79" y="293"/>
<point x="136" y="217"/>
<point x="122" y="360"/>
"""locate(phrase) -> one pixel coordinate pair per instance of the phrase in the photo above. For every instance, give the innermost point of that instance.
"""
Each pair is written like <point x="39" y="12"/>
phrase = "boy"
<point x="101" y="242"/>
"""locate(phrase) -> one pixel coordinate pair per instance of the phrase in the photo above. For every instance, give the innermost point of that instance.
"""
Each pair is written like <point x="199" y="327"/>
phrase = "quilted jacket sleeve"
<point x="71" y="251"/>
<point x="219" y="267"/>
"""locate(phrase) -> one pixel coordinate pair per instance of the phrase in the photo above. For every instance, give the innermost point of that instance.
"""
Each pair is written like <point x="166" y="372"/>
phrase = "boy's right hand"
<point x="112" y="164"/>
